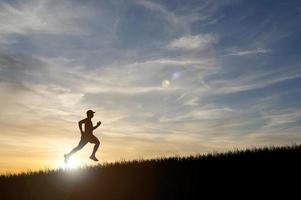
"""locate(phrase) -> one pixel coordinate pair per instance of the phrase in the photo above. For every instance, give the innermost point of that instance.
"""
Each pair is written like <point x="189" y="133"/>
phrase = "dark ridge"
<point x="269" y="171"/>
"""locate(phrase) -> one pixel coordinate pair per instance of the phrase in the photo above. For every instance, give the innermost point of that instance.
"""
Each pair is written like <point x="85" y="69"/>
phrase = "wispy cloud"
<point x="201" y="113"/>
<point x="236" y="52"/>
<point x="280" y="117"/>
<point x="189" y="42"/>
<point x="254" y="80"/>
<point x="35" y="17"/>
<point x="180" y="21"/>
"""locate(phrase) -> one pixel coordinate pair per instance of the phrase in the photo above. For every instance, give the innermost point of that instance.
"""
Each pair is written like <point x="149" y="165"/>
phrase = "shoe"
<point x="93" y="158"/>
<point x="66" y="158"/>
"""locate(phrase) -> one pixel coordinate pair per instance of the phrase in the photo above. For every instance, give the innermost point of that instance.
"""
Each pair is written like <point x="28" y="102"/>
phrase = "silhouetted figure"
<point x="86" y="136"/>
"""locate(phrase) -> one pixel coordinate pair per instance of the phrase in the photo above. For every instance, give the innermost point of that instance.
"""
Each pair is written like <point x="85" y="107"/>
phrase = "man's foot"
<point x="66" y="158"/>
<point x="93" y="158"/>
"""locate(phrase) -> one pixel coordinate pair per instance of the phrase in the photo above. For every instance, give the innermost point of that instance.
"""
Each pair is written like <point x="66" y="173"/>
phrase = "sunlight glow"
<point x="73" y="163"/>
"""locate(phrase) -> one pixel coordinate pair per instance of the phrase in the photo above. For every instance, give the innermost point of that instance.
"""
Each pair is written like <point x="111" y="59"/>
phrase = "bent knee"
<point x="95" y="141"/>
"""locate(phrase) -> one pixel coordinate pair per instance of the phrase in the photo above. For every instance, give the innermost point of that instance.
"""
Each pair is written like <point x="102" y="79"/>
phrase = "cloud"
<point x="192" y="102"/>
<point x="198" y="114"/>
<point x="26" y="69"/>
<point x="180" y="21"/>
<point x="247" y="52"/>
<point x="31" y="83"/>
<point x="282" y="118"/>
<point x="34" y="16"/>
<point x="147" y="75"/>
<point x="253" y="80"/>
<point x="153" y="6"/>
<point x="190" y="42"/>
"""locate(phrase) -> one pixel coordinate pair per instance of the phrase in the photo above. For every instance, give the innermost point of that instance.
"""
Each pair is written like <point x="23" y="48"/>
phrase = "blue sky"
<point x="165" y="77"/>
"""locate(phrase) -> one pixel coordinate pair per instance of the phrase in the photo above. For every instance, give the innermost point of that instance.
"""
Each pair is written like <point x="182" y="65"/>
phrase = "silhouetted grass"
<point x="251" y="172"/>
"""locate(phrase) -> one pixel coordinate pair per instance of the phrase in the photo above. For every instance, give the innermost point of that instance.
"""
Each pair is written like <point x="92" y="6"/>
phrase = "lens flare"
<point x="165" y="84"/>
<point x="175" y="75"/>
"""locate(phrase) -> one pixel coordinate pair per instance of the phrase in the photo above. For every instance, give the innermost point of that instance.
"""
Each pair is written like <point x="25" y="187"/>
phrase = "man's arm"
<point x="80" y="125"/>
<point x="97" y="125"/>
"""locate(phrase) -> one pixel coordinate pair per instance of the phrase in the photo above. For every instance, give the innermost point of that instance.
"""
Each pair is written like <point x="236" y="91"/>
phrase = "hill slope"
<point x="267" y="170"/>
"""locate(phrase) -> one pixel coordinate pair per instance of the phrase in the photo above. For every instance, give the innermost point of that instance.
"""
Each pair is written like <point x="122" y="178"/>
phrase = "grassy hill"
<point x="269" y="171"/>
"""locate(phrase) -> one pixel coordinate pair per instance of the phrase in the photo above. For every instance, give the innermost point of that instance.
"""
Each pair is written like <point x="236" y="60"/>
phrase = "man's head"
<point x="90" y="113"/>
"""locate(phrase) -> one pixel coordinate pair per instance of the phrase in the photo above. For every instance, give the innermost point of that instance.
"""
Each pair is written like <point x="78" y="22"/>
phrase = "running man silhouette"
<point x="86" y="136"/>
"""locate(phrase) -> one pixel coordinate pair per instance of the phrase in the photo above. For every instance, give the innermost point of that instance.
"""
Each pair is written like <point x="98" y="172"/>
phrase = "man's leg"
<point x="96" y="143"/>
<point x="75" y="149"/>
<point x="80" y="145"/>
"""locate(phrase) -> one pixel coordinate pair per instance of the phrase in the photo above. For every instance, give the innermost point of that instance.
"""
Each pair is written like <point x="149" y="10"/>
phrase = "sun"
<point x="73" y="163"/>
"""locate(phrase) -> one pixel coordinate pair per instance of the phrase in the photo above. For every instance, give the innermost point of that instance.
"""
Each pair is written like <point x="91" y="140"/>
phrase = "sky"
<point x="165" y="78"/>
